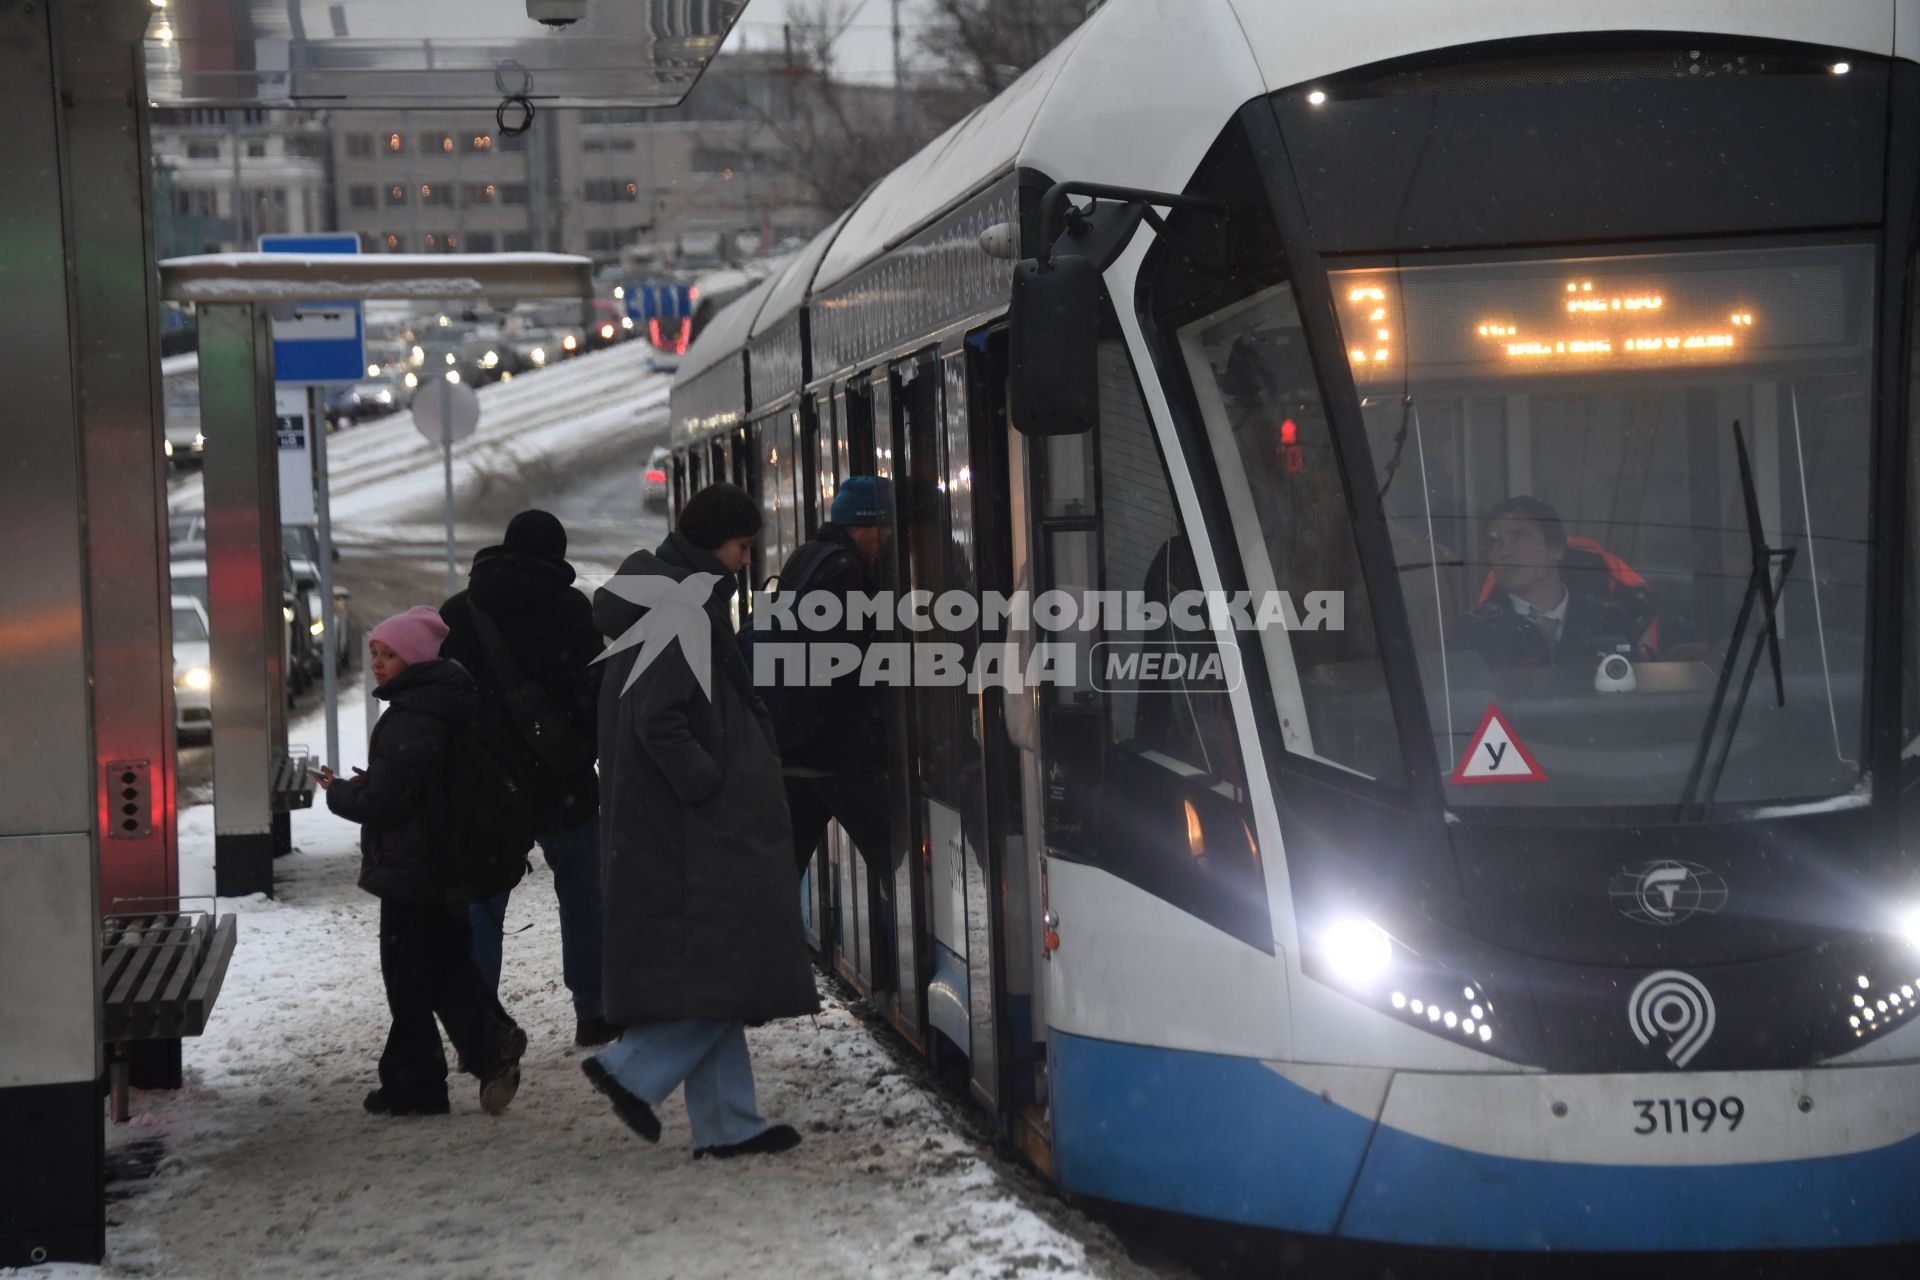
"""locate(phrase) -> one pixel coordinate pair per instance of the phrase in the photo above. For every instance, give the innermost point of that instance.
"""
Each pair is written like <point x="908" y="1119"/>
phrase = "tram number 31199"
<point x="1687" y="1115"/>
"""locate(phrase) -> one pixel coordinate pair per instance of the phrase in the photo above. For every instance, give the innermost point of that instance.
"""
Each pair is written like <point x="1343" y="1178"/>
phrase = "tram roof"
<point x="1079" y="112"/>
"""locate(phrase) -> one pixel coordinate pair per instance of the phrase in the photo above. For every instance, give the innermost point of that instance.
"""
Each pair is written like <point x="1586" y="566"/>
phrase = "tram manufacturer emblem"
<point x="1668" y="891"/>
<point x="1675" y="1007"/>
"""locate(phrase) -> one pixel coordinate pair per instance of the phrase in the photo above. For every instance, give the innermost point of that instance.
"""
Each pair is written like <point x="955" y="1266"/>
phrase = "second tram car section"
<point x="1514" y="847"/>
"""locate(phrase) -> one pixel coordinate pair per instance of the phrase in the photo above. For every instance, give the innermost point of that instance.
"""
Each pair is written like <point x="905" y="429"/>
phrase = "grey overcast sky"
<point x="865" y="51"/>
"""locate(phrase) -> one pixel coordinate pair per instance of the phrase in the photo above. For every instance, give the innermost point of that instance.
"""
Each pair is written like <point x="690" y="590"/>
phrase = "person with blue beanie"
<point x="835" y="763"/>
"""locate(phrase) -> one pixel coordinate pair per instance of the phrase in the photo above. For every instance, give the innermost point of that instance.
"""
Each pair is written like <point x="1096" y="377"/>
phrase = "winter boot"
<point x="628" y="1105"/>
<point x="498" y="1086"/>
<point x="591" y="1033"/>
<point x="768" y="1142"/>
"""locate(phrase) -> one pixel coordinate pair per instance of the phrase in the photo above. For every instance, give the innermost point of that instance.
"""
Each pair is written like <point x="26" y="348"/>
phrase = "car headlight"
<point x="317" y="627"/>
<point x="385" y="397"/>
<point x="1357" y="951"/>
<point x="168" y="446"/>
<point x="619" y="292"/>
<point x="450" y="359"/>
<point x="286" y="611"/>
<point x="196" y="678"/>
<point x="199" y="441"/>
<point x="606" y="331"/>
<point x="569" y="342"/>
<point x="413" y="380"/>
<point x="417" y="356"/>
<point x="490" y="359"/>
<point x="538" y="355"/>
<point x="626" y="322"/>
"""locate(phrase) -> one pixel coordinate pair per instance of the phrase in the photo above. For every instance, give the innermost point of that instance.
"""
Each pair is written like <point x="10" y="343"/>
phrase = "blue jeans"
<point x="574" y="855"/>
<point x="710" y="1058"/>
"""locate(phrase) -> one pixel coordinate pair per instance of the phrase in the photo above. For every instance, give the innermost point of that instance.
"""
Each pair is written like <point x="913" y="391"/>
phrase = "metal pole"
<point x="446" y="455"/>
<point x="329" y="638"/>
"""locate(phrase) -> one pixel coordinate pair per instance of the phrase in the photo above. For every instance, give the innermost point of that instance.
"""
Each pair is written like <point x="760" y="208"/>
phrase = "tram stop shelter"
<point x="87" y="803"/>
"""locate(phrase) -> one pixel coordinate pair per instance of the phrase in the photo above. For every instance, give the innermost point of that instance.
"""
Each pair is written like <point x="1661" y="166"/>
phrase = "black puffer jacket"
<point x="694" y="837"/>
<point x="549" y="632"/>
<point x="397" y="800"/>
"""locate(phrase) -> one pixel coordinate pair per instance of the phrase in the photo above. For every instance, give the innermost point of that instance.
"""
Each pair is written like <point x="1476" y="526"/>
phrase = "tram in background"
<point x="1455" y="312"/>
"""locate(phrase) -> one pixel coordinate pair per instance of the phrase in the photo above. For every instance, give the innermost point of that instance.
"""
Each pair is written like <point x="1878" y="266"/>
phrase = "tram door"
<point x="950" y="800"/>
<point x="852" y="921"/>
<point x="824" y="458"/>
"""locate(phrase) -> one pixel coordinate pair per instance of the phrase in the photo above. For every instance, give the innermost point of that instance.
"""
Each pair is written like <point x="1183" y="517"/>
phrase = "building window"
<point x="610" y="191"/>
<point x="394" y="242"/>
<point x="607" y="144"/>
<point x="307" y="146"/>
<point x="396" y="194"/>
<point x="203" y="151"/>
<point x="513" y="193"/>
<point x="360" y="146"/>
<point x="257" y="149"/>
<point x="435" y="195"/>
<point x="518" y="241"/>
<point x="477" y="142"/>
<point x="480" y="242"/>
<point x="472" y="193"/>
<point x="436" y="143"/>
<point x="362" y="197"/>
<point x="511" y="142"/>
<point x="395" y="144"/>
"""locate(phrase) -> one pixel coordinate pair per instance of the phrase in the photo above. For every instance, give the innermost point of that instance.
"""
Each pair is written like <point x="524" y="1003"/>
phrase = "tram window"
<point x="1556" y="451"/>
<point x="1068" y="487"/>
<point x="1274" y="451"/>
<point x="1147" y="779"/>
<point x="1910" y="678"/>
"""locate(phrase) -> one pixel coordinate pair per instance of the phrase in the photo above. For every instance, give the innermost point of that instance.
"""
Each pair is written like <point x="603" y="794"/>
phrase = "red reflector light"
<point x="686" y="331"/>
<point x="693" y="295"/>
<point x="656" y="477"/>
<point x="1289" y="432"/>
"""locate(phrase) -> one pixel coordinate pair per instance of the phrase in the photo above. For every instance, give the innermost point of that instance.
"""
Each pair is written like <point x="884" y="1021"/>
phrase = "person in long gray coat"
<point x="703" y="930"/>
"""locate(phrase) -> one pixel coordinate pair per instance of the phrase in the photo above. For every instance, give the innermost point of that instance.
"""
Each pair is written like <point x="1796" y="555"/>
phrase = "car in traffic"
<point x="192" y="670"/>
<point x="366" y="401"/>
<point x="540" y="334"/>
<point x="653" y="477"/>
<point x="182" y="442"/>
<point x="301" y="542"/>
<point x="187" y="575"/>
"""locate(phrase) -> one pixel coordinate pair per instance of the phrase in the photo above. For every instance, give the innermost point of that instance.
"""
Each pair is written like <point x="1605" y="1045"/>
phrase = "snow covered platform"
<point x="266" y="1165"/>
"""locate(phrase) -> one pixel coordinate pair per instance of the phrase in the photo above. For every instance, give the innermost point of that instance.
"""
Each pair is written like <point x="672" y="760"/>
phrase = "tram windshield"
<point x="1627" y="500"/>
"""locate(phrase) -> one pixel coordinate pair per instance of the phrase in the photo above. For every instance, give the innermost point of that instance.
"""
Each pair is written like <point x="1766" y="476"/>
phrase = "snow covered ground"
<point x="386" y="470"/>
<point x="266" y="1166"/>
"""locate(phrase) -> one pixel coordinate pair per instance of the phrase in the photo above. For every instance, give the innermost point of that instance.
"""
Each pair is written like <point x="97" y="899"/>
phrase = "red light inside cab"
<point x="1289" y="432"/>
<point x="656" y="476"/>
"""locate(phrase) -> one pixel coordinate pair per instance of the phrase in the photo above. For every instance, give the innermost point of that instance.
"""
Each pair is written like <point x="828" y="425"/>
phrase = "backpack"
<point x="537" y="715"/>
<point x="485" y="817"/>
<point x="799" y="712"/>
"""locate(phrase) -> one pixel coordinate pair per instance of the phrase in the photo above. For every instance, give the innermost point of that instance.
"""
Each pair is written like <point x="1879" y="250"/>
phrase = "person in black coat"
<point x="525" y="588"/>
<point x="839" y="770"/>
<point x="704" y="931"/>
<point x="425" y="955"/>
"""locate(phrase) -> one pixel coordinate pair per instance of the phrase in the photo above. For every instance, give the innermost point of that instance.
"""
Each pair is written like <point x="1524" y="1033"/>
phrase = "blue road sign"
<point x="323" y="341"/>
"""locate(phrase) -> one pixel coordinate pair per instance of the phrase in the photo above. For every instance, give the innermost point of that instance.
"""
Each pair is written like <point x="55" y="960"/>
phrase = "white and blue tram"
<point x="1556" y="889"/>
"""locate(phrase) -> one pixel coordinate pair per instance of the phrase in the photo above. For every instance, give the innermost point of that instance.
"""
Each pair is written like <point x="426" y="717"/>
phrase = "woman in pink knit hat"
<point x="425" y="946"/>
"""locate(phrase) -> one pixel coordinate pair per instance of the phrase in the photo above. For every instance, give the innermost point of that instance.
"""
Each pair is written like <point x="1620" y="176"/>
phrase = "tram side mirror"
<point x="1054" y="387"/>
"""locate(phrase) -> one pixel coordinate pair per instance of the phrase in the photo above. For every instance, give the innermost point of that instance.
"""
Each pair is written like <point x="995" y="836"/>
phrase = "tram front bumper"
<point x="1816" y="1158"/>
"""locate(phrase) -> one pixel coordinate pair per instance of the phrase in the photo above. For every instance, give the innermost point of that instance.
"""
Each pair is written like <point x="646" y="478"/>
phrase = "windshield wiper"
<point x="1761" y="587"/>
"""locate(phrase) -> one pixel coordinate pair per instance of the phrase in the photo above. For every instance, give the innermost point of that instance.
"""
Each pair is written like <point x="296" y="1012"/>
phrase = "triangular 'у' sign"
<point x="1496" y="754"/>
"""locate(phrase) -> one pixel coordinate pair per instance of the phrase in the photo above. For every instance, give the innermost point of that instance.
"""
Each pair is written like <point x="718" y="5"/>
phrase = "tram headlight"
<point x="1907" y="923"/>
<point x="1358" y="951"/>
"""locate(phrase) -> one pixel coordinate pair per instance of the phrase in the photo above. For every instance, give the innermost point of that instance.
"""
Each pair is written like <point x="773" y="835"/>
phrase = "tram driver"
<point x="1532" y="616"/>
